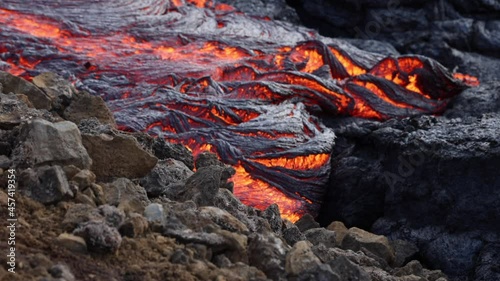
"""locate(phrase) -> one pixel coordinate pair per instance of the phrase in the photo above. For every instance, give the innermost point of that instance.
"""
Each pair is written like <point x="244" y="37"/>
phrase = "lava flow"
<point x="203" y="74"/>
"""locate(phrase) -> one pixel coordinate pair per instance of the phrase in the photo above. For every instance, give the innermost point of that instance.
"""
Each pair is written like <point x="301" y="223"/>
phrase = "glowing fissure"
<point x="202" y="74"/>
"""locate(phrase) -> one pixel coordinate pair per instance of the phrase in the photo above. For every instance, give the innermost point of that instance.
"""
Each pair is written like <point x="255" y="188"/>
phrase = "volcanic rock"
<point x="274" y="9"/>
<point x="340" y="231"/>
<point x="14" y="111"/>
<point x="44" y="143"/>
<point x="71" y="242"/>
<point x="112" y="216"/>
<point x="321" y="235"/>
<point x="47" y="184"/>
<point x="117" y="155"/>
<point x="267" y="253"/>
<point x="487" y="263"/>
<point x="99" y="236"/>
<point x="421" y="178"/>
<point x="292" y="235"/>
<point x="16" y="85"/>
<point x="223" y="219"/>
<point x="84" y="106"/>
<point x="167" y="178"/>
<point x="356" y="239"/>
<point x="459" y="34"/>
<point x="203" y="185"/>
<point x="126" y="195"/>
<point x="476" y="101"/>
<point x="404" y="252"/>
<point x="454" y="252"/>
<point x="347" y="270"/>
<point x="154" y="213"/>
<point x="61" y="272"/>
<point x="5" y="162"/>
<point x="306" y="222"/>
<point x="59" y="90"/>
<point x="327" y="255"/>
<point x="206" y="159"/>
<point x="273" y="216"/>
<point x="322" y="272"/>
<point x="134" y="226"/>
<point x="164" y="150"/>
<point x="78" y="214"/>
<point x="84" y="178"/>
<point x="300" y="258"/>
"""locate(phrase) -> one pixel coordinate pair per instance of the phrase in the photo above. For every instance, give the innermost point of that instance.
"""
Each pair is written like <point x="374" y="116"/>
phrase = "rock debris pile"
<point x="95" y="203"/>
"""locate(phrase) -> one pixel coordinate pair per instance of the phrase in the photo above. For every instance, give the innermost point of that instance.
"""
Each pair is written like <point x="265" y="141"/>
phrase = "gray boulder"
<point x="166" y="178"/>
<point x="16" y="85"/>
<point x="44" y="143"/>
<point x="47" y="185"/>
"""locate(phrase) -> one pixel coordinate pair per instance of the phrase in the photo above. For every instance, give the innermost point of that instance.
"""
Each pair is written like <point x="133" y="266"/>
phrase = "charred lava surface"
<point x="430" y="180"/>
<point x="212" y="78"/>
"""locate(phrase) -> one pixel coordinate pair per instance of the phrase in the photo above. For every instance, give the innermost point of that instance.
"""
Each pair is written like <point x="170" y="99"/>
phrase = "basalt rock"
<point x="16" y="110"/>
<point x="44" y="143"/>
<point x="126" y="195"/>
<point x="166" y="178"/>
<point x="59" y="90"/>
<point x="99" y="236"/>
<point x="421" y="179"/>
<point x="84" y="106"/>
<point x="164" y="150"/>
<point x="267" y="253"/>
<point x="47" y="185"/>
<point x="17" y="85"/>
<point x="115" y="154"/>
<point x="356" y="239"/>
<point x="202" y="186"/>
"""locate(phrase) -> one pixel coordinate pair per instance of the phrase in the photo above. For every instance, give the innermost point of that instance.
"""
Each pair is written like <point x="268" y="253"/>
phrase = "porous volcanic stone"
<point x="163" y="150"/>
<point x="267" y="253"/>
<point x="47" y="185"/>
<point x="306" y="222"/>
<point x="166" y="178"/>
<point x="99" y="236"/>
<point x="203" y="185"/>
<point x="321" y="235"/>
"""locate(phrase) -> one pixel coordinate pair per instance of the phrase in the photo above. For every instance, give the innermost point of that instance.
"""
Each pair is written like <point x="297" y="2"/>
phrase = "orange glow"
<point x="206" y="77"/>
<point x="312" y="58"/>
<point x="307" y="162"/>
<point x="30" y="24"/>
<point x="259" y="194"/>
<point x="377" y="91"/>
<point x="352" y="68"/>
<point x="467" y="79"/>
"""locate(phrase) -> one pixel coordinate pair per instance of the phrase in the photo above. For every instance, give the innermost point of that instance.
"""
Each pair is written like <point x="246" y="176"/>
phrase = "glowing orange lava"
<point x="214" y="89"/>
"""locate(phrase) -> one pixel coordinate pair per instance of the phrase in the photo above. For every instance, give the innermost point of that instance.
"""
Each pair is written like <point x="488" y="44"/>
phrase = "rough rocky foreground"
<point x="94" y="203"/>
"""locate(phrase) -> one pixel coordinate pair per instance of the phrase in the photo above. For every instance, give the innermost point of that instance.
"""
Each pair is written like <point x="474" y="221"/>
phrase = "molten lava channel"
<point x="203" y="74"/>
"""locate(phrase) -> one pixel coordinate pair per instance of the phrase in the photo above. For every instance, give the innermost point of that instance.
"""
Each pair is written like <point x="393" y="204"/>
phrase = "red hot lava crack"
<point x="207" y="76"/>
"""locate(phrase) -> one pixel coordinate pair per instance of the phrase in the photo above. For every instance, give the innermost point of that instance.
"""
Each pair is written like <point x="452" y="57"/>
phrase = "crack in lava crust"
<point x="212" y="78"/>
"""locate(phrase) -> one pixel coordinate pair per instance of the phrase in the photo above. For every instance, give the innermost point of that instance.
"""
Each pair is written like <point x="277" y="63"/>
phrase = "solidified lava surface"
<point x="212" y="78"/>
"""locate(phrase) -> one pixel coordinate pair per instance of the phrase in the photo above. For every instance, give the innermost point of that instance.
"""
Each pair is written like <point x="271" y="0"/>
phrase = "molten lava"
<point x="207" y="76"/>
